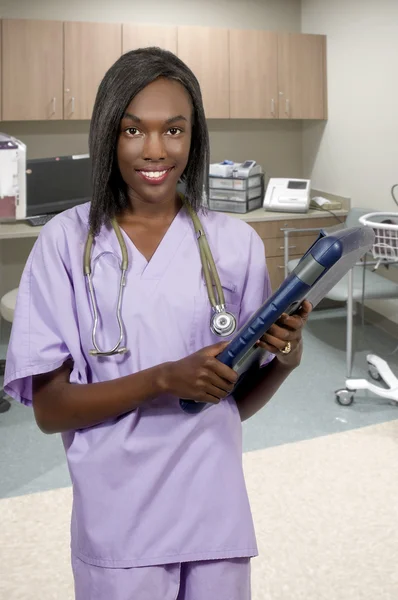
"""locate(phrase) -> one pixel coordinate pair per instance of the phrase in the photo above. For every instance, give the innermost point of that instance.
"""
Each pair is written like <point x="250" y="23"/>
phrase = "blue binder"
<point x="331" y="256"/>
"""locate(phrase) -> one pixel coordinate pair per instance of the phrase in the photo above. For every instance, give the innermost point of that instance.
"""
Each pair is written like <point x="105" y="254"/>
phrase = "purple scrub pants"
<point x="207" y="580"/>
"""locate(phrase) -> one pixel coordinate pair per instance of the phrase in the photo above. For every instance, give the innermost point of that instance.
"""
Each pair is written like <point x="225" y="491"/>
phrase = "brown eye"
<point x="132" y="131"/>
<point x="174" y="131"/>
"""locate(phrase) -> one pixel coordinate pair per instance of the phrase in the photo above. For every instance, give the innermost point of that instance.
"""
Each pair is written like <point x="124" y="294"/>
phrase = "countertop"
<point x="265" y="215"/>
<point x="21" y="229"/>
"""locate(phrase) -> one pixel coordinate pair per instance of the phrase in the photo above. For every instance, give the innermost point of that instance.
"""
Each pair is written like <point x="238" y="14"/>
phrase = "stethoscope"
<point x="222" y="322"/>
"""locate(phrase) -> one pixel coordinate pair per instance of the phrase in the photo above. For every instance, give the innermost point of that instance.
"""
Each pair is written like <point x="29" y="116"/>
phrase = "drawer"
<point x="273" y="229"/>
<point x="276" y="270"/>
<point x="297" y="245"/>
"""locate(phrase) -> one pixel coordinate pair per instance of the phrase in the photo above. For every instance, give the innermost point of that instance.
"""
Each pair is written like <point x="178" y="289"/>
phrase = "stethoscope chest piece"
<point x="223" y="323"/>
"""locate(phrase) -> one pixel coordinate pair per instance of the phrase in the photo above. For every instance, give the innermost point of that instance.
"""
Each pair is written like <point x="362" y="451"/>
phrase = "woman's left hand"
<point x="284" y="338"/>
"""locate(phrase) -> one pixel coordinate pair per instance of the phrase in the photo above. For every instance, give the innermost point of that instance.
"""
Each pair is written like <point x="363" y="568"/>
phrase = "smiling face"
<point x="154" y="141"/>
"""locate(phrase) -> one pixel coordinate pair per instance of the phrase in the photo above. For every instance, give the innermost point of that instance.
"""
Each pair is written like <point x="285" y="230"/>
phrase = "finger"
<point x="214" y="349"/>
<point x="282" y="332"/>
<point x="221" y="383"/>
<point x="275" y="342"/>
<point x="223" y="371"/>
<point x="305" y="309"/>
<point x="267" y="347"/>
<point x="293" y="322"/>
<point x="215" y="392"/>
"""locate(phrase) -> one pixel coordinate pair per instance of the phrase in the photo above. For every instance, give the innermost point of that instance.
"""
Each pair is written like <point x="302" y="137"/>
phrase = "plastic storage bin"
<point x="232" y="183"/>
<point x="235" y="207"/>
<point x="236" y="195"/>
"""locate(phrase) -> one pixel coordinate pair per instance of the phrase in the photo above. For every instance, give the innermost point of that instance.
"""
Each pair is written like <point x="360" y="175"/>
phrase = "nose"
<point x="154" y="147"/>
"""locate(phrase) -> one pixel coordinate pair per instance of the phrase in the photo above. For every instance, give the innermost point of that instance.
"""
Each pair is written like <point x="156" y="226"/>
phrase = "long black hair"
<point x="129" y="75"/>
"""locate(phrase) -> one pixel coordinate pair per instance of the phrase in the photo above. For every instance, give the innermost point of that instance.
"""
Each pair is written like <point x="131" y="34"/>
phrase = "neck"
<point x="162" y="211"/>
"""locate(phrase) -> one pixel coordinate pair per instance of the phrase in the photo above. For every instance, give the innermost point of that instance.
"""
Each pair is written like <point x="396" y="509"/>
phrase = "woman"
<point x="160" y="507"/>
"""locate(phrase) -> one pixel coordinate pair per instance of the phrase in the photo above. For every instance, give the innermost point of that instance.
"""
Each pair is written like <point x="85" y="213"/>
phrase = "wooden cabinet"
<point x="90" y="49"/>
<point x="51" y="70"/>
<point x="206" y="51"/>
<point x="302" y="76"/>
<point x="32" y="66"/>
<point x="253" y="74"/>
<point x="271" y="232"/>
<point x="142" y="36"/>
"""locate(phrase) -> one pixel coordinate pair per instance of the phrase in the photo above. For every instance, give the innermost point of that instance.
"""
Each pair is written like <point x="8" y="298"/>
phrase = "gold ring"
<point x="287" y="348"/>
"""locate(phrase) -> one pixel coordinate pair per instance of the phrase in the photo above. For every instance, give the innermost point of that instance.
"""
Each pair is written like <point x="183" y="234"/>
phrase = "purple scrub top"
<point x="155" y="486"/>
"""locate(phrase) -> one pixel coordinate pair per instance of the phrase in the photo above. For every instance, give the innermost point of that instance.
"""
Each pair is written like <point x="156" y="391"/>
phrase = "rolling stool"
<point x="7" y="308"/>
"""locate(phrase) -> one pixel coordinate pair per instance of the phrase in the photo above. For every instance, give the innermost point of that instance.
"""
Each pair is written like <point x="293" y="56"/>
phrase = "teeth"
<point x="153" y="174"/>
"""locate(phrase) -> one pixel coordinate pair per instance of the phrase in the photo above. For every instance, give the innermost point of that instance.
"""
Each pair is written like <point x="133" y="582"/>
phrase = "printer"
<point x="12" y="178"/>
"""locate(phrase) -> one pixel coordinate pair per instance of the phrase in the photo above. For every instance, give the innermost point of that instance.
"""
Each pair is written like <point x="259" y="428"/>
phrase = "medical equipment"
<point x="12" y="178"/>
<point x="324" y="263"/>
<point x="287" y="195"/>
<point x="222" y="322"/>
<point x="384" y="251"/>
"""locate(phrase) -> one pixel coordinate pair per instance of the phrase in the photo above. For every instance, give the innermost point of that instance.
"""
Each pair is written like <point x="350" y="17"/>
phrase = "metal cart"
<point x="384" y="251"/>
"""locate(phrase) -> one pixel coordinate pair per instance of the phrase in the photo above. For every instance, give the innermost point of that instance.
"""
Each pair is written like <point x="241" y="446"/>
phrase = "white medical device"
<point x="12" y="178"/>
<point x="287" y="195"/>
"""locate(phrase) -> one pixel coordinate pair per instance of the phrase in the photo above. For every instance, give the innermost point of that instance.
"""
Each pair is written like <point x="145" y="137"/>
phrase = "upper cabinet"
<point x="32" y="56"/>
<point x="90" y="49"/>
<point x="302" y="76"/>
<point x="51" y="69"/>
<point x="206" y="52"/>
<point x="141" y="36"/>
<point x="253" y="74"/>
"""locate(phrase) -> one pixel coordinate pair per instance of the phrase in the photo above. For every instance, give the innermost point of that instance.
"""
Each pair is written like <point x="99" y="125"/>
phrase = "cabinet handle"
<point x="281" y="266"/>
<point x="53" y="103"/>
<point x="273" y="107"/>
<point x="287" y="106"/>
<point x="73" y="105"/>
<point x="290" y="247"/>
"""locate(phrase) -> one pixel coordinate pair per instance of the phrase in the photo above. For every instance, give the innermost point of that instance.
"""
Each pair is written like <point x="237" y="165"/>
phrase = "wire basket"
<point x="385" y="226"/>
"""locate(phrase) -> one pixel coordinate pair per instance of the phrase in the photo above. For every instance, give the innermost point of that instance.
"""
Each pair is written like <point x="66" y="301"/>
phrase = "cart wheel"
<point x="345" y="397"/>
<point x="374" y="373"/>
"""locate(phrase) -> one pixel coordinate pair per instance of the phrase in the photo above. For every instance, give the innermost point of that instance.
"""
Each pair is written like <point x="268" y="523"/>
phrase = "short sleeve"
<point x="257" y="288"/>
<point x="45" y="329"/>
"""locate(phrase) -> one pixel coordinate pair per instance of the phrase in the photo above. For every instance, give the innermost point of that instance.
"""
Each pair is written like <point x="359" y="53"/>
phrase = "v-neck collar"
<point x="164" y="253"/>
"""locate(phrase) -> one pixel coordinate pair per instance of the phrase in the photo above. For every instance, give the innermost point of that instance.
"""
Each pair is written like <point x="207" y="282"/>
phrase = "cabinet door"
<point x="206" y="51"/>
<point x="32" y="70"/>
<point x="142" y="36"/>
<point x="253" y="74"/>
<point x="302" y="76"/>
<point x="90" y="49"/>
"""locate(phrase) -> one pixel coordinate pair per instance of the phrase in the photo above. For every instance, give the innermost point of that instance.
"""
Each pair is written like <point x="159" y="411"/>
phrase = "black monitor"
<point x="56" y="184"/>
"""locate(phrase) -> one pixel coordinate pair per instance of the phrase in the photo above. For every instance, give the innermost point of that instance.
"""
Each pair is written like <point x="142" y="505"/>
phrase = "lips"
<point x="155" y="176"/>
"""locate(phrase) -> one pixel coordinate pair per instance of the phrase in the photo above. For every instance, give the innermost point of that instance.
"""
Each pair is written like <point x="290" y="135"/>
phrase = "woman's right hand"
<point x="200" y="376"/>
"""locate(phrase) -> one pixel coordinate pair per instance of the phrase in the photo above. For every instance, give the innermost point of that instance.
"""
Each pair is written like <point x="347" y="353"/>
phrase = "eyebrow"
<point x="128" y="115"/>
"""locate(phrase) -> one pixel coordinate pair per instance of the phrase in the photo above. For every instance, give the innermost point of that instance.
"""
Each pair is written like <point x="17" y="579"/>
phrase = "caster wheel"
<point x="374" y="373"/>
<point x="345" y="397"/>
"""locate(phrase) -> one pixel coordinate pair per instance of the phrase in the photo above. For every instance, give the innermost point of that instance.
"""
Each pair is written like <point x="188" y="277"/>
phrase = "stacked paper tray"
<point x="235" y="207"/>
<point x="236" y="195"/>
<point x="233" y="183"/>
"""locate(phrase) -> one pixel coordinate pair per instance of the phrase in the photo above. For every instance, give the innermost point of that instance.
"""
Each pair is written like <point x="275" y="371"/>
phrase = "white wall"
<point x="277" y="146"/>
<point x="257" y="14"/>
<point x="355" y="153"/>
